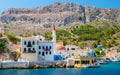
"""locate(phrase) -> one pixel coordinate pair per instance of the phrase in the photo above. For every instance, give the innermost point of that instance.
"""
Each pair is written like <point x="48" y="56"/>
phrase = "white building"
<point x="40" y="37"/>
<point x="36" y="49"/>
<point x="46" y="51"/>
<point x="29" y="49"/>
<point x="54" y="37"/>
<point x="54" y="33"/>
<point x="71" y="47"/>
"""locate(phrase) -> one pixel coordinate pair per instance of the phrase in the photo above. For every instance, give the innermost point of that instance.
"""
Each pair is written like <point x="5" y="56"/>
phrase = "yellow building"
<point x="83" y="62"/>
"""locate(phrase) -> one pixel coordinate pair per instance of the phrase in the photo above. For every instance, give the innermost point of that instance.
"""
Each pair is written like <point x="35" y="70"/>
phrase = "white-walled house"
<point x="46" y="51"/>
<point x="40" y="37"/>
<point x="29" y="49"/>
<point x="71" y="47"/>
<point x="36" y="49"/>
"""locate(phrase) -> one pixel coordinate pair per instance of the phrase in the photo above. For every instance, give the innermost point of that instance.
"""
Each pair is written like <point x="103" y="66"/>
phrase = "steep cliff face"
<point x="93" y="13"/>
<point x="60" y="13"/>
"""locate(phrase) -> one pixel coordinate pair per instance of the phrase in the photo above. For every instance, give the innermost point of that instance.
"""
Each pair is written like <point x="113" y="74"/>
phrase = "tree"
<point x="2" y="45"/>
<point x="94" y="45"/>
<point x="99" y="53"/>
<point x="104" y="43"/>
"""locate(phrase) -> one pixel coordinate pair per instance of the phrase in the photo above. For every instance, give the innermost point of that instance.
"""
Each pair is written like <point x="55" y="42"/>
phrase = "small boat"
<point x="114" y="60"/>
<point x="103" y="62"/>
<point x="95" y="65"/>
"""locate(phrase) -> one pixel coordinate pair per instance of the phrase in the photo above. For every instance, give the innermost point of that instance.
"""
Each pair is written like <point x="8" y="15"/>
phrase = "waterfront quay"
<point x="111" y="68"/>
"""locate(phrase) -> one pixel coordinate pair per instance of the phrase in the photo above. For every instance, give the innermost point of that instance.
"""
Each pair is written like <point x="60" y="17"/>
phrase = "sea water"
<point x="112" y="68"/>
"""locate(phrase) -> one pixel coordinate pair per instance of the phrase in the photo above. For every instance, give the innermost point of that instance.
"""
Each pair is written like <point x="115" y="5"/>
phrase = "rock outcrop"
<point x="61" y="14"/>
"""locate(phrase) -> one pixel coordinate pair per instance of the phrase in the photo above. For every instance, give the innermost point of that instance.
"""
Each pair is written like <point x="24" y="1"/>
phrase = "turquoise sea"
<point x="112" y="68"/>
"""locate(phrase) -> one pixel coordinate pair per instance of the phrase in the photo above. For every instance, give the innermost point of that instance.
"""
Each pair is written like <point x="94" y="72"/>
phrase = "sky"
<point x="5" y="4"/>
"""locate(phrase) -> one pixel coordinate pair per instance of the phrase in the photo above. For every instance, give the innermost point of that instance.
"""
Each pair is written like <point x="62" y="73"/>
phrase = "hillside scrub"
<point x="3" y="45"/>
<point x="99" y="32"/>
<point x="12" y="38"/>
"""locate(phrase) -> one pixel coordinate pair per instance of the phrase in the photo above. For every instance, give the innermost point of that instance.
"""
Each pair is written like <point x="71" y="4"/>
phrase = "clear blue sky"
<point x="4" y="4"/>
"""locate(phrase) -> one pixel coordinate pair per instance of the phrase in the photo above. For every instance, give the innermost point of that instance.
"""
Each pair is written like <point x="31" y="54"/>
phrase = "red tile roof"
<point x="59" y="46"/>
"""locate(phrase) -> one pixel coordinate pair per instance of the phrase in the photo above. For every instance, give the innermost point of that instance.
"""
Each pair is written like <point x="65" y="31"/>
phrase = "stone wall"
<point x="14" y="65"/>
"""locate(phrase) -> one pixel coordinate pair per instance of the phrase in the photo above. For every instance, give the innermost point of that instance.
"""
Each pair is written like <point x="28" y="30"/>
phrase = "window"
<point x="39" y="53"/>
<point x="88" y="62"/>
<point x="24" y="49"/>
<point x="46" y="47"/>
<point x="50" y="47"/>
<point x="24" y="42"/>
<point x="29" y="49"/>
<point x="68" y="49"/>
<point x="42" y="47"/>
<point x="46" y="53"/>
<point x="72" y="48"/>
<point x="82" y="62"/>
<point x="85" y="62"/>
<point x="77" y="62"/>
<point x="92" y="61"/>
<point x="29" y="44"/>
<point x="43" y="54"/>
<point x="33" y="42"/>
<point x="50" y="52"/>
<point x="33" y="49"/>
<point x="39" y="47"/>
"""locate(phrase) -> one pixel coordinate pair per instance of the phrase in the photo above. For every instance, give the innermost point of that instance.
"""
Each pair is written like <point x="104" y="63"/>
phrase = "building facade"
<point x="71" y="47"/>
<point x="83" y="62"/>
<point x="29" y="49"/>
<point x="37" y="49"/>
<point x="46" y="51"/>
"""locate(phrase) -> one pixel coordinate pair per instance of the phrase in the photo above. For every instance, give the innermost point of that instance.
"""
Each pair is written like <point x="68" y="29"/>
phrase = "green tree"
<point x="99" y="53"/>
<point x="104" y="43"/>
<point x="94" y="45"/>
<point x="2" y="45"/>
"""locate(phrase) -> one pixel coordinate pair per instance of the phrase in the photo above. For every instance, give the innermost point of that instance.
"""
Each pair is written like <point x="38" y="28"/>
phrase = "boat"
<point x="103" y="62"/>
<point x="95" y="65"/>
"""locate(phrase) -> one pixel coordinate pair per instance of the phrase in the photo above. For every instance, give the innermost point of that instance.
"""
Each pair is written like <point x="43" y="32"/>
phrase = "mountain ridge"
<point x="61" y="14"/>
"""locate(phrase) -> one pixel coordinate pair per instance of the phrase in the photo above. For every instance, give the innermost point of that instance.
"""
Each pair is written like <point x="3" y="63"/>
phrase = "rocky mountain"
<point x="61" y="14"/>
